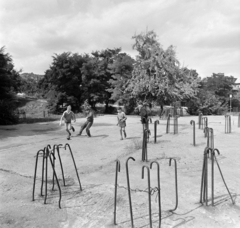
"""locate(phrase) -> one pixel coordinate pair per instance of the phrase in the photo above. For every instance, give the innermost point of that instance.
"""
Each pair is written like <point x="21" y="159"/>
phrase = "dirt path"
<point x="95" y="158"/>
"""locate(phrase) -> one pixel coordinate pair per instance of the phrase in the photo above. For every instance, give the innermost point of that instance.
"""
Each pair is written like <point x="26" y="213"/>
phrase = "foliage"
<point x="157" y="74"/>
<point x="213" y="95"/>
<point x="9" y="83"/>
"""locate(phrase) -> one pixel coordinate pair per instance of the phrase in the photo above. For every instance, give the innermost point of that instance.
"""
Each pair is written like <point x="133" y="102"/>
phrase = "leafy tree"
<point x="121" y="70"/>
<point x="157" y="75"/>
<point x="96" y="75"/>
<point x="8" y="86"/>
<point x="62" y="82"/>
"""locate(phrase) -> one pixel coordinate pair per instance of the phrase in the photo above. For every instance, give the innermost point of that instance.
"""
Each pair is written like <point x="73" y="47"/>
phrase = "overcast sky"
<point x="206" y="33"/>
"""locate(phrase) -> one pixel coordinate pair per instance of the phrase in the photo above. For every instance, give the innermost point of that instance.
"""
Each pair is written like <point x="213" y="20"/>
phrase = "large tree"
<point x="157" y="74"/>
<point x="9" y="83"/>
<point x="96" y="76"/>
<point x="62" y="81"/>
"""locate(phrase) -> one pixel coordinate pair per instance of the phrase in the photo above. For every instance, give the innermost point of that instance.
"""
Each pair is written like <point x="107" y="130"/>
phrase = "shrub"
<point x="8" y="114"/>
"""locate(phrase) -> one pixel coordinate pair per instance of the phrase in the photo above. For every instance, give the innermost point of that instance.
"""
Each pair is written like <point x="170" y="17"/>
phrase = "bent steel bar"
<point x="204" y="180"/>
<point x="54" y="158"/>
<point x="168" y="123"/>
<point x="149" y="193"/>
<point x="129" y="190"/>
<point x="145" y="153"/>
<point x="175" y="125"/>
<point x="59" y="157"/>
<point x="216" y="150"/>
<point x="60" y="193"/>
<point x="192" y="122"/>
<point x="228" y="127"/>
<point x="206" y="133"/>
<point x="156" y="122"/>
<point x="176" y="182"/>
<point x="200" y="120"/>
<point x="159" y="193"/>
<point x="46" y="171"/>
<point x="115" y="195"/>
<point x="65" y="147"/>
<point x="211" y="135"/>
<point x="35" y="172"/>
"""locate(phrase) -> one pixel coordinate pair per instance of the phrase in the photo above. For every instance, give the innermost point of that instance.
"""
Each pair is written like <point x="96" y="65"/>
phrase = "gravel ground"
<point x="95" y="158"/>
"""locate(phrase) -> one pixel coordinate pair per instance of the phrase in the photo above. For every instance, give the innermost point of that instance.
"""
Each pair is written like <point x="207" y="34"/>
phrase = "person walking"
<point x="68" y="116"/>
<point x="88" y="123"/>
<point x="121" y="122"/>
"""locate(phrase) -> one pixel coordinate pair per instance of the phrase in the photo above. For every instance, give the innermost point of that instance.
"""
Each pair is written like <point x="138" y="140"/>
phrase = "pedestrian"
<point x="68" y="116"/>
<point x="88" y="123"/>
<point x="121" y="117"/>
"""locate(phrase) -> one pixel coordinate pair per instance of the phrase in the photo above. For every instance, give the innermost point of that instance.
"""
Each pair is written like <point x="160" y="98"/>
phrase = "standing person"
<point x="88" y="123"/>
<point x="121" y="122"/>
<point x="68" y="116"/>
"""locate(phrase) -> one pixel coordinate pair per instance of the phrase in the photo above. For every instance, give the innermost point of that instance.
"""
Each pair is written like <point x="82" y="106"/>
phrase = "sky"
<point x="205" y="33"/>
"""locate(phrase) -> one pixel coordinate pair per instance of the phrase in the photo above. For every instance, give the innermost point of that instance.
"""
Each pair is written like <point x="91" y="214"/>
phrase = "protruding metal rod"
<point x="176" y="182"/>
<point x="60" y="160"/>
<point x="156" y="122"/>
<point x="59" y="188"/>
<point x="168" y="123"/>
<point x="35" y="172"/>
<point x="129" y="190"/>
<point x="65" y="147"/>
<point x="149" y="193"/>
<point x="43" y="167"/>
<point x="192" y="122"/>
<point x="175" y="125"/>
<point x="200" y="120"/>
<point x="46" y="174"/>
<point x="115" y="195"/>
<point x="216" y="150"/>
<point x="159" y="191"/>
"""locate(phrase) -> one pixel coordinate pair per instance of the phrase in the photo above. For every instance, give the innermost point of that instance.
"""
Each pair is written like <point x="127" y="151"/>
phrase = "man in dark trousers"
<point x="88" y="123"/>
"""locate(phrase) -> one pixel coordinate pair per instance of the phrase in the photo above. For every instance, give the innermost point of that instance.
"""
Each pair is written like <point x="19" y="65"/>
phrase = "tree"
<point x="157" y="75"/>
<point x="8" y="86"/>
<point x="96" y="76"/>
<point x="121" y="70"/>
<point x="62" y="81"/>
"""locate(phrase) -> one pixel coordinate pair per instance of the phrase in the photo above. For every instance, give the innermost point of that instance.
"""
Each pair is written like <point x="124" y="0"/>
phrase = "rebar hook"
<point x="176" y="183"/>
<point x="129" y="192"/>
<point x="159" y="193"/>
<point x="118" y="167"/>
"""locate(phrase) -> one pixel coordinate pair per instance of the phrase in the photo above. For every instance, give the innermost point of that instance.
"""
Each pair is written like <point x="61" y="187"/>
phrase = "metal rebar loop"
<point x="115" y="193"/>
<point x="159" y="191"/>
<point x="129" y="191"/>
<point x="176" y="182"/>
<point x="192" y="122"/>
<point x="149" y="193"/>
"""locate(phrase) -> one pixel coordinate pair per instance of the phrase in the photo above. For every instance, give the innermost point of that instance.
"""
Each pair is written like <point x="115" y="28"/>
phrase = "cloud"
<point x="201" y="30"/>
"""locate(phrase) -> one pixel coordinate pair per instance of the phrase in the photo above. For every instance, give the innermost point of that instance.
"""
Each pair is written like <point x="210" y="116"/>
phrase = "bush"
<point x="8" y="114"/>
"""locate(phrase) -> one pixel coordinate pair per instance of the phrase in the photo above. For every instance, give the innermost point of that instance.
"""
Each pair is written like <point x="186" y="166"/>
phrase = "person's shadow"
<point x="100" y="136"/>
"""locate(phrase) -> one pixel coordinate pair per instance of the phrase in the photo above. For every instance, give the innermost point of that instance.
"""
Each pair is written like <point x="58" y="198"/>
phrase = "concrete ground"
<point x="95" y="158"/>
